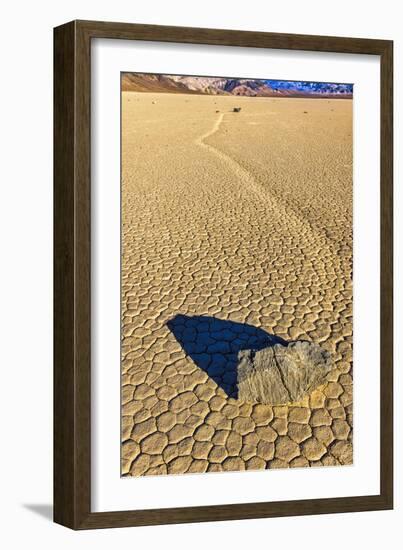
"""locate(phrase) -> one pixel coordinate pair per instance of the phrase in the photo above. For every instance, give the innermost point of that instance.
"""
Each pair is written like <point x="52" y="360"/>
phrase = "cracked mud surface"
<point x="236" y="229"/>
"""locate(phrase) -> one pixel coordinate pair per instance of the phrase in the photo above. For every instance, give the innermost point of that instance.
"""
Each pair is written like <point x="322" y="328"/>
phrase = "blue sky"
<point x="324" y="87"/>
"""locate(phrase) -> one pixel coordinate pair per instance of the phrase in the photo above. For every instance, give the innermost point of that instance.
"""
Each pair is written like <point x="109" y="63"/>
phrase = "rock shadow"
<point x="213" y="344"/>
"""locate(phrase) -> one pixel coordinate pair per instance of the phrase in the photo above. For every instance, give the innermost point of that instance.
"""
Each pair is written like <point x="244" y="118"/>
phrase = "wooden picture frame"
<point x="72" y="269"/>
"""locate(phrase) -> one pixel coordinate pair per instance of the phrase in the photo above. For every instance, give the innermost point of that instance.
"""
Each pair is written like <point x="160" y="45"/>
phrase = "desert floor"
<point x="234" y="226"/>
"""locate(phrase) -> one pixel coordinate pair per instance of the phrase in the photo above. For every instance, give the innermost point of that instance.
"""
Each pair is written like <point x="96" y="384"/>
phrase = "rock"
<point x="236" y="109"/>
<point x="281" y="374"/>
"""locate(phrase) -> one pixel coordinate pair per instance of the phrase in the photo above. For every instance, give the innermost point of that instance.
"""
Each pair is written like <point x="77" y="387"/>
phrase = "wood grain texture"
<point x="387" y="273"/>
<point x="64" y="363"/>
<point x="72" y="268"/>
<point x="72" y="262"/>
<point x="221" y="37"/>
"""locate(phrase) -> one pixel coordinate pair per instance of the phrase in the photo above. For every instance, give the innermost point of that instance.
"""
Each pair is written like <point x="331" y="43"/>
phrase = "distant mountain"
<point x="138" y="82"/>
<point x="317" y="88"/>
<point x="133" y="82"/>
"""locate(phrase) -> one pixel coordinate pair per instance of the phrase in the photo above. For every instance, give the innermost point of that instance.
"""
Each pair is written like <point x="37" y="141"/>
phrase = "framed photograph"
<point x="222" y="275"/>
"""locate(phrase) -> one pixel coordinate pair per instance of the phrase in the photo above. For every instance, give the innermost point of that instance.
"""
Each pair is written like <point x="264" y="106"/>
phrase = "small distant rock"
<point x="217" y="111"/>
<point x="237" y="109"/>
<point x="154" y="102"/>
<point x="281" y="374"/>
<point x="305" y="112"/>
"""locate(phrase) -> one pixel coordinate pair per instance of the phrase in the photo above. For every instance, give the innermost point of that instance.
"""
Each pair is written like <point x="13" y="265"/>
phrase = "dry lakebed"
<point x="236" y="235"/>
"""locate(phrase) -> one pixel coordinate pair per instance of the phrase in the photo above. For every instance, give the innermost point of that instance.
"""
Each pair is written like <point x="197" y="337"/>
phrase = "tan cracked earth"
<point x="235" y="227"/>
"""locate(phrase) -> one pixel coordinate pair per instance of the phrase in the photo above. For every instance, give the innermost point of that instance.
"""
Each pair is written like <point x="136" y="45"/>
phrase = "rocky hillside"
<point x="138" y="82"/>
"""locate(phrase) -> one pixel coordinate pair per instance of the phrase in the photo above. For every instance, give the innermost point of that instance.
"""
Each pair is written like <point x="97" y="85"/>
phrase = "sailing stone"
<point x="281" y="374"/>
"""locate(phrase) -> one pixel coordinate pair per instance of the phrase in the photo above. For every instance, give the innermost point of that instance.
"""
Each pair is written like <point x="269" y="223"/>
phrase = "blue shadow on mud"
<point x="213" y="345"/>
